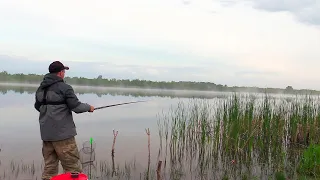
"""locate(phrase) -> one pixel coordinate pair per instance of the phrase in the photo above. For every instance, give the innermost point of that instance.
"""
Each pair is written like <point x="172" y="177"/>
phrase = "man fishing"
<point x="55" y="100"/>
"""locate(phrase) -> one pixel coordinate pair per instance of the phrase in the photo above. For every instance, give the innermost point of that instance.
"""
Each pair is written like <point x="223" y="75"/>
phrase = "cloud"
<point x="257" y="73"/>
<point x="166" y="39"/>
<point x="219" y="74"/>
<point x="306" y="11"/>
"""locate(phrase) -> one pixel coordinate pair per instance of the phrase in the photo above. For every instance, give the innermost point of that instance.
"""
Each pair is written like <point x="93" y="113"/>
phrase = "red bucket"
<point x="70" y="176"/>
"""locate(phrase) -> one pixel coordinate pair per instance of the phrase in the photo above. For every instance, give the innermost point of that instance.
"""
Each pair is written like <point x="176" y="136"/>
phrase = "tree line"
<point x="136" y="83"/>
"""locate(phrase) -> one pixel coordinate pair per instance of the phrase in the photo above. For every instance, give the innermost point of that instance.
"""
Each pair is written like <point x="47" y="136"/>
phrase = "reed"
<point x="233" y="136"/>
<point x="149" y="159"/>
<point x="16" y="169"/>
<point x="115" y="134"/>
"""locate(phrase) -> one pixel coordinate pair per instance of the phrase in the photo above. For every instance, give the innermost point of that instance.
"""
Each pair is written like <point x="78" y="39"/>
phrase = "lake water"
<point x="20" y="141"/>
<point x="19" y="128"/>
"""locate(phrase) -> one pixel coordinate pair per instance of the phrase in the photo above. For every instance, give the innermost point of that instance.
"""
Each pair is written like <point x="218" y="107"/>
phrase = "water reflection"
<point x="134" y="92"/>
<point x="6" y="88"/>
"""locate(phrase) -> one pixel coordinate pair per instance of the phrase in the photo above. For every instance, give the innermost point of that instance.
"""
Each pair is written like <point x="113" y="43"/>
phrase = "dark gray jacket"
<point x="55" y="119"/>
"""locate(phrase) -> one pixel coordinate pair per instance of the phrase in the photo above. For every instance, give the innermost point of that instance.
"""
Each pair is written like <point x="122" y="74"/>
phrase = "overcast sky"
<point x="265" y="43"/>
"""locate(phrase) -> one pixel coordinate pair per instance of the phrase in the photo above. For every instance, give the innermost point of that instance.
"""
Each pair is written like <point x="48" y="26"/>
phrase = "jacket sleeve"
<point x="73" y="102"/>
<point x="37" y="104"/>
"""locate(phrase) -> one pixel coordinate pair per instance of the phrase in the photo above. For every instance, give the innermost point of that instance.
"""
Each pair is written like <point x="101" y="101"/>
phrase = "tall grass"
<point x="241" y="136"/>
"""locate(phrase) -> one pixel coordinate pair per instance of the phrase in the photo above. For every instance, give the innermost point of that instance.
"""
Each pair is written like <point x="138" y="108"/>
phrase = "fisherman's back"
<point x="55" y="102"/>
<point x="55" y="107"/>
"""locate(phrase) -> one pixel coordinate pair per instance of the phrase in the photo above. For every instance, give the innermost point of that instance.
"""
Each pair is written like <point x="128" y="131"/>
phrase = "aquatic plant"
<point x="241" y="135"/>
<point x="310" y="161"/>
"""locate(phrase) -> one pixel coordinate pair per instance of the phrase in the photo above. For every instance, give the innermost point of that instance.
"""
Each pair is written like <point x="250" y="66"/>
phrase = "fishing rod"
<point x="102" y="107"/>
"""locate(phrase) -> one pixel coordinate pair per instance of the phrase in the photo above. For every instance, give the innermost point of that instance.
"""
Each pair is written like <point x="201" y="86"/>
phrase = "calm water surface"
<point x="20" y="135"/>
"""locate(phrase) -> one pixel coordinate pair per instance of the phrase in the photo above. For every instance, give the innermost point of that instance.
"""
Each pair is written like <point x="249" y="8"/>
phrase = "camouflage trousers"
<point x="65" y="151"/>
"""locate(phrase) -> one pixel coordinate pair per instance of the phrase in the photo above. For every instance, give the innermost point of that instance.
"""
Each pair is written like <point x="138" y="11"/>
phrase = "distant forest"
<point x="136" y="83"/>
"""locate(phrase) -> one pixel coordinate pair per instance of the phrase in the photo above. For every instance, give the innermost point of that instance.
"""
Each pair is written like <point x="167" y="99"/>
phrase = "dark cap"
<point x="57" y="66"/>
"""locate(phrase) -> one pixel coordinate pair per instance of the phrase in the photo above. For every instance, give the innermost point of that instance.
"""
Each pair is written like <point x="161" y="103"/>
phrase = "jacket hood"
<point x="50" y="79"/>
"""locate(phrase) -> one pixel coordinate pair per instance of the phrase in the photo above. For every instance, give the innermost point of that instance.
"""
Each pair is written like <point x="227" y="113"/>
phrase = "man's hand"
<point x="91" y="109"/>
